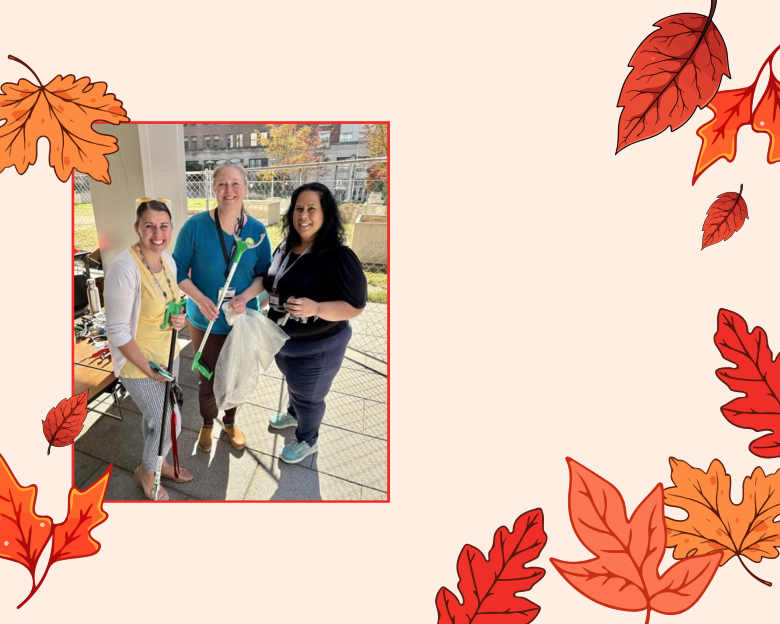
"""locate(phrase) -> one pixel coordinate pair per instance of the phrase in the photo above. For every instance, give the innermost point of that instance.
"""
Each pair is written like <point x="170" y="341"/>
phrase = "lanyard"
<point x="284" y="269"/>
<point x="228" y="258"/>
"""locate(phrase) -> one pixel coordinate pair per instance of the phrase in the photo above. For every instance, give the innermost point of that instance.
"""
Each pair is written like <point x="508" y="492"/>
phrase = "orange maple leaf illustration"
<point x="24" y="534"/>
<point x="714" y="523"/>
<point x="624" y="572"/>
<point x="732" y="111"/>
<point x="63" y="111"/>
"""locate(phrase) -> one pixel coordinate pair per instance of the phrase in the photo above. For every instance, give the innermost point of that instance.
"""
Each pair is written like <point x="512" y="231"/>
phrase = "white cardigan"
<point x="122" y="297"/>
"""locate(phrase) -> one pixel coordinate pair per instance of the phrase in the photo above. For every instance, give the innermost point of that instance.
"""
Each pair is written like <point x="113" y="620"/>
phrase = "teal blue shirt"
<point x="198" y="255"/>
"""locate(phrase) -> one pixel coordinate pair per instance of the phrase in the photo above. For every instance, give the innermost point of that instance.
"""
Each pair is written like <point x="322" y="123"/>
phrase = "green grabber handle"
<point x="241" y="247"/>
<point x="173" y="307"/>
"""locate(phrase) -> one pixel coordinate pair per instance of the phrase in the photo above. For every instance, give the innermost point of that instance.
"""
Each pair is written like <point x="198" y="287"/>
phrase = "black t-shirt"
<point x="331" y="275"/>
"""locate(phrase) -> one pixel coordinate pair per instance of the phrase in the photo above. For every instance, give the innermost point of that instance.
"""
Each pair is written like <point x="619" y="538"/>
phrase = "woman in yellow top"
<point x="139" y="284"/>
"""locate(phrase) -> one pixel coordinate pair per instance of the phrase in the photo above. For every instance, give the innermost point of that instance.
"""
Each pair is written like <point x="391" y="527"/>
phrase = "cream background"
<point x="589" y="315"/>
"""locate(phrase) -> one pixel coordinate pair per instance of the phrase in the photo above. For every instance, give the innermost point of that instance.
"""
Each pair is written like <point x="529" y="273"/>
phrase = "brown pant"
<point x="206" y="398"/>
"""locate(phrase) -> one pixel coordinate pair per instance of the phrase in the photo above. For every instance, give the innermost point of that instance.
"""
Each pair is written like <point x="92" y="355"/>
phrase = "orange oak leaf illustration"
<point x="63" y="111"/>
<point x="757" y="375"/>
<point x="732" y="111"/>
<point x="676" y="69"/>
<point x="24" y="534"/>
<point x="488" y="586"/>
<point x="714" y="523"/>
<point x="623" y="574"/>
<point x="64" y="422"/>
<point x="726" y="216"/>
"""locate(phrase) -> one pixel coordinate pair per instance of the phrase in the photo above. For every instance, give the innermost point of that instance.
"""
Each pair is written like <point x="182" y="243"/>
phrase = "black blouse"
<point x="330" y="275"/>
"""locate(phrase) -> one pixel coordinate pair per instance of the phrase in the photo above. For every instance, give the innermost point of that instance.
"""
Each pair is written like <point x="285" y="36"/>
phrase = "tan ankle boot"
<point x="204" y="439"/>
<point x="235" y="436"/>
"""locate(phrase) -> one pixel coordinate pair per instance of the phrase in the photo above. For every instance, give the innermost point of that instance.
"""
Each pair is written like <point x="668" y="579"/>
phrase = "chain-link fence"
<point x="85" y="234"/>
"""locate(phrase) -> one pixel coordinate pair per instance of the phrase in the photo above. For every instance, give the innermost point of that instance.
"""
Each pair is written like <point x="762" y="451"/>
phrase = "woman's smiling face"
<point x="230" y="188"/>
<point x="308" y="216"/>
<point x="154" y="230"/>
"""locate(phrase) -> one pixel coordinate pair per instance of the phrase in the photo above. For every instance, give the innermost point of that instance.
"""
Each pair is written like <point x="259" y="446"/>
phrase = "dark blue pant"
<point x="310" y="367"/>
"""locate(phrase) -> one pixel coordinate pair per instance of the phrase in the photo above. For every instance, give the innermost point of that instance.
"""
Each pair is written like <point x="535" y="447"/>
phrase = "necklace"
<point x="154" y="277"/>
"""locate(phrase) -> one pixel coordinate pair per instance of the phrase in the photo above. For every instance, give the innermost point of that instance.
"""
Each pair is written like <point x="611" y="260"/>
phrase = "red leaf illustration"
<point x="726" y="216"/>
<point x="624" y="572"/>
<point x="757" y="375"/>
<point x="64" y="422"/>
<point x="732" y="111"/>
<point x="675" y="69"/>
<point x="719" y="136"/>
<point x="72" y="538"/>
<point x="23" y="533"/>
<point x="488" y="586"/>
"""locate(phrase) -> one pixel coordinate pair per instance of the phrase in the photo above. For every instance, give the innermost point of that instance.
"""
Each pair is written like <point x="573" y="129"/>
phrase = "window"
<point x="350" y="133"/>
<point x="253" y="139"/>
<point x="240" y="140"/>
<point x="186" y="140"/>
<point x="206" y="140"/>
<point x="325" y="138"/>
<point x="254" y="162"/>
<point x="263" y="162"/>
<point x="230" y="141"/>
<point x="194" y="142"/>
<point x="216" y="141"/>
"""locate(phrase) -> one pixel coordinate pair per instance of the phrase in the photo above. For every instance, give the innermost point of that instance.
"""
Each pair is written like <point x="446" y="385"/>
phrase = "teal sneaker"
<point x="297" y="451"/>
<point x="283" y="421"/>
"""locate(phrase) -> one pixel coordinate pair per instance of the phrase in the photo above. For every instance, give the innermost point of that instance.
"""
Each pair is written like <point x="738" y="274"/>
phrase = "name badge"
<point x="229" y="294"/>
<point x="274" y="299"/>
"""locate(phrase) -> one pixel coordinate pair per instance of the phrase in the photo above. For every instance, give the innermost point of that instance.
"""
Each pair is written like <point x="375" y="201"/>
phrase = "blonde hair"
<point x="238" y="166"/>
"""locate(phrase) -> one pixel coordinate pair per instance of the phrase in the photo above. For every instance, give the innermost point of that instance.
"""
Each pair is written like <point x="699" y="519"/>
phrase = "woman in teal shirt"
<point x="203" y="254"/>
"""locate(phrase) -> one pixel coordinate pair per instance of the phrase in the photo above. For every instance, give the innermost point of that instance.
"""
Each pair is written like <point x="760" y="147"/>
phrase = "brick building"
<point x="207" y="145"/>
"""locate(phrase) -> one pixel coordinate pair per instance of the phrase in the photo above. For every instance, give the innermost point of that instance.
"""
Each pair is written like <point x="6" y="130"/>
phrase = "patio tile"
<point x="371" y="494"/>
<point x="375" y="419"/>
<point x="123" y="486"/>
<point x="275" y="480"/>
<point x="86" y="469"/>
<point x="352" y="456"/>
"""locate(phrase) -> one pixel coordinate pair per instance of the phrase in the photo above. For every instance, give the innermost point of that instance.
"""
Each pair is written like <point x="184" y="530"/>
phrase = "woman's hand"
<point x="177" y="321"/>
<point x="302" y="307"/>
<point x="238" y="303"/>
<point x="154" y="375"/>
<point x="207" y="308"/>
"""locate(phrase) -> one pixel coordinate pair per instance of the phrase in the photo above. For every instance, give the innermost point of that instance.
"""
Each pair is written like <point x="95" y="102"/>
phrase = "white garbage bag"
<point x="248" y="352"/>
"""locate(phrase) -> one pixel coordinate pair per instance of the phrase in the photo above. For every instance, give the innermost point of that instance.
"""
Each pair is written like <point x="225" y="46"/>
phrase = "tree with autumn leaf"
<point x="290" y="144"/>
<point x="375" y="136"/>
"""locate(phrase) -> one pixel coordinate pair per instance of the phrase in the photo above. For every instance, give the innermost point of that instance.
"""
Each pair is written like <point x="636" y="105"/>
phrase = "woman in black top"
<point x="316" y="284"/>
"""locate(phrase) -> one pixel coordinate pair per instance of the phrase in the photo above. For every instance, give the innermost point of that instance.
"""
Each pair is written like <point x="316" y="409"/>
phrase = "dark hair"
<point x="331" y="234"/>
<point x="151" y="205"/>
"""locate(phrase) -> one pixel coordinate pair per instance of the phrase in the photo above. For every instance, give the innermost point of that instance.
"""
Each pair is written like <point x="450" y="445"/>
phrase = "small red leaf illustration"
<point x="23" y="533"/>
<point x="623" y="574"/>
<point x="488" y="586"/>
<point x="675" y="69"/>
<point x="64" y="422"/>
<point x="726" y="216"/>
<point x="757" y="375"/>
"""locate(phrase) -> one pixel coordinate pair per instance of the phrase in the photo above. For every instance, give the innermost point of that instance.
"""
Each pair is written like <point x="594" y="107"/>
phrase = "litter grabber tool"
<point x="241" y="247"/>
<point x="173" y="307"/>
